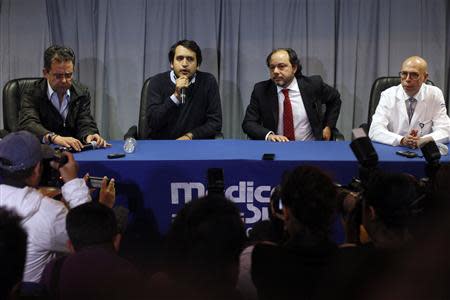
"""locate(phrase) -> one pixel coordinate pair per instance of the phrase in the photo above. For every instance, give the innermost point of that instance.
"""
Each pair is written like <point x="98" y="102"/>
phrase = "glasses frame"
<point x="412" y="75"/>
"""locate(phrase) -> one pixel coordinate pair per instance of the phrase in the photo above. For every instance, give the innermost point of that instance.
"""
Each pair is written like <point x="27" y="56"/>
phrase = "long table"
<point x="161" y="176"/>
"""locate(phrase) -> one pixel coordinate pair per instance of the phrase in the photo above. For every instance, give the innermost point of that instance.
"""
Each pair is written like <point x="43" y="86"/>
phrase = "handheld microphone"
<point x="183" y="95"/>
<point x="91" y="146"/>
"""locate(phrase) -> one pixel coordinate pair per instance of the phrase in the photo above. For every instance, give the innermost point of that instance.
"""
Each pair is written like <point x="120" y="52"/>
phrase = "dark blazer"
<point x="38" y="115"/>
<point x="262" y="112"/>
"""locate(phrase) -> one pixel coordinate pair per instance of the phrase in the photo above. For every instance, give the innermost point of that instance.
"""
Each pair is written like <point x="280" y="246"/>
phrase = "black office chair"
<point x="12" y="98"/>
<point x="142" y="130"/>
<point x="379" y="85"/>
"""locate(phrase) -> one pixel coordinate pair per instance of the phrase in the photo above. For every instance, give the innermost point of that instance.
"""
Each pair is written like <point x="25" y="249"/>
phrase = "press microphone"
<point x="183" y="95"/>
<point x="90" y="146"/>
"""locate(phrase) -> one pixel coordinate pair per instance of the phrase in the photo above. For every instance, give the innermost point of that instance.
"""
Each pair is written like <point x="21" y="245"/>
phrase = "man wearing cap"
<point x="44" y="218"/>
<point x="57" y="108"/>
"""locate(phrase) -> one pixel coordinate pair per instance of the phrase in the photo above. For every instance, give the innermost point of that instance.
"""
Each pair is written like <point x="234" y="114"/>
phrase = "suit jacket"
<point x="38" y="115"/>
<point x="261" y="116"/>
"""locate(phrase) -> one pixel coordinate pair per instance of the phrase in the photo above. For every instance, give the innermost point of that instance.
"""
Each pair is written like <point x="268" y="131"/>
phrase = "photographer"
<point x="294" y="269"/>
<point x="386" y="210"/>
<point x="44" y="218"/>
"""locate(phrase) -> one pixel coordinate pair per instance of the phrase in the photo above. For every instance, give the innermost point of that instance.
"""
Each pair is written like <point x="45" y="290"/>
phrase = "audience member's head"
<point x="390" y="206"/>
<point x="92" y="224"/>
<point x="21" y="154"/>
<point x="309" y="202"/>
<point x="204" y="243"/>
<point x="13" y="247"/>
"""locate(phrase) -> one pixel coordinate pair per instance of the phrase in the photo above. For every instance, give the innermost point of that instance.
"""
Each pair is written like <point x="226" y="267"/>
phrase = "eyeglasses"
<point x="412" y="75"/>
<point x="60" y="76"/>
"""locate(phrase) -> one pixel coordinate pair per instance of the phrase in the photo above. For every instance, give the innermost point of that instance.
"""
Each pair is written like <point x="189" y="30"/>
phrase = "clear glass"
<point x="129" y="145"/>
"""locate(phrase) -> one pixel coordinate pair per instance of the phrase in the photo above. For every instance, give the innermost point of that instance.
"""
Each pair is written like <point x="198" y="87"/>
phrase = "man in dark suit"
<point x="57" y="108"/>
<point x="289" y="106"/>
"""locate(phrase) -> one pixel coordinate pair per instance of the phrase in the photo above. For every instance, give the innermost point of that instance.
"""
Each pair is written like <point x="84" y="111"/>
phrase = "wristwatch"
<point x="50" y="137"/>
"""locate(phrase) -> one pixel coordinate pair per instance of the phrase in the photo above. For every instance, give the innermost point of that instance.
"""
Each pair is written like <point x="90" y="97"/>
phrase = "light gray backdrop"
<point x="120" y="43"/>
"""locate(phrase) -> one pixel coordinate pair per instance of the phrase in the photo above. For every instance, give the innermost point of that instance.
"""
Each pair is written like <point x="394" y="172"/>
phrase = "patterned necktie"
<point x="288" y="119"/>
<point x="411" y="107"/>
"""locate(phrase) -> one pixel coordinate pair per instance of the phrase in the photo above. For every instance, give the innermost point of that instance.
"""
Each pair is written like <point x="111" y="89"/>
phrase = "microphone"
<point x="91" y="146"/>
<point x="183" y="95"/>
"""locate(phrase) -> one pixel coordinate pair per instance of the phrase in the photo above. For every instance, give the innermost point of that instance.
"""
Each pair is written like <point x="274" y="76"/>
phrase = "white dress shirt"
<point x="302" y="127"/>
<point x="63" y="107"/>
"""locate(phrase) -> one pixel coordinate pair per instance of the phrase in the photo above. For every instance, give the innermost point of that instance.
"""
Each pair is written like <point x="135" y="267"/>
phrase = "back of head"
<point x="204" y="242"/>
<point x="56" y="53"/>
<point x="20" y="152"/>
<point x="91" y="224"/>
<point x="13" y="246"/>
<point x="310" y="195"/>
<point x="395" y="199"/>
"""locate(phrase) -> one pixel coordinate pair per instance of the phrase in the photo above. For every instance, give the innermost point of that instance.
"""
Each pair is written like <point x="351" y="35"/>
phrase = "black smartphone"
<point x="215" y="181"/>
<point x="407" y="153"/>
<point x="115" y="155"/>
<point x="96" y="182"/>
<point x="268" y="156"/>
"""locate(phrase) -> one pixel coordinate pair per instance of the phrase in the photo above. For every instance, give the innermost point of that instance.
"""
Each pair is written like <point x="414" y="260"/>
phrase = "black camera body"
<point x="51" y="176"/>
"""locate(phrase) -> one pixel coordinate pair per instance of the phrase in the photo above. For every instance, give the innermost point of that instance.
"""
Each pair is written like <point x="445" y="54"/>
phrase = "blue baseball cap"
<point x="22" y="150"/>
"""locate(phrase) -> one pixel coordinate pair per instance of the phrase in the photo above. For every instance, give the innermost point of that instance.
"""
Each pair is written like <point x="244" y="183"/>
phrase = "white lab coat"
<point x="390" y="123"/>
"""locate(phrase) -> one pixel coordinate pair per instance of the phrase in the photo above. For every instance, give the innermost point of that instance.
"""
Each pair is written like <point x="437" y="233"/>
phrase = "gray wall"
<point x="120" y="43"/>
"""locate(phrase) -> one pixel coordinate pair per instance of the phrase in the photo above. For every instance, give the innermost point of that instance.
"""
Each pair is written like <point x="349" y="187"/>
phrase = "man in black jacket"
<point x="288" y="106"/>
<point x="57" y="108"/>
<point x="184" y="103"/>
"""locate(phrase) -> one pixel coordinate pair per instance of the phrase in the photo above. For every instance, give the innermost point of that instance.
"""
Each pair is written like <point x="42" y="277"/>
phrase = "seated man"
<point x="94" y="270"/>
<point x="44" y="218"/>
<point x="57" y="109"/>
<point x="184" y="103"/>
<point x="410" y="110"/>
<point x="288" y="107"/>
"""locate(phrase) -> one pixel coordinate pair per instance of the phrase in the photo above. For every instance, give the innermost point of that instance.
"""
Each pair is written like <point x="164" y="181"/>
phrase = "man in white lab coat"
<point x="411" y="110"/>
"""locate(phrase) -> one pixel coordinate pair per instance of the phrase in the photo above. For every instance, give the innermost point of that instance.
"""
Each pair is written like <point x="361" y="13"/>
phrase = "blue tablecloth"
<point x="163" y="175"/>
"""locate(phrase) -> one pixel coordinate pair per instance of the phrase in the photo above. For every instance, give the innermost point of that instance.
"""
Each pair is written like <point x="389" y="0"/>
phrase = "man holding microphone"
<point x="184" y="103"/>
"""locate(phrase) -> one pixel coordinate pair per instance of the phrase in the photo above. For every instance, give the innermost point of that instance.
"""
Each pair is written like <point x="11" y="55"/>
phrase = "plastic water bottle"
<point x="129" y="145"/>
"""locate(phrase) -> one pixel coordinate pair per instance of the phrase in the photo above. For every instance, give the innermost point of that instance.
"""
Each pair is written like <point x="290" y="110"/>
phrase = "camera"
<point x="50" y="176"/>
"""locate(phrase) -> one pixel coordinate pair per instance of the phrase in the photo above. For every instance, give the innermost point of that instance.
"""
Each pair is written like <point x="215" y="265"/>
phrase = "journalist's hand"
<point x="107" y="192"/>
<point x="69" y="170"/>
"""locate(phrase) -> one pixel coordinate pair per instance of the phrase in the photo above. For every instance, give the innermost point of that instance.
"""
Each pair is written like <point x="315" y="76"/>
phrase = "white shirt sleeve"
<point x="379" y="131"/>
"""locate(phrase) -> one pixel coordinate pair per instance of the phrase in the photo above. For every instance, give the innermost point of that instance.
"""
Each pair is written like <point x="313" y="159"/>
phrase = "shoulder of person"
<point x="205" y="76"/>
<point x="160" y="78"/>
<point x="79" y="89"/>
<point x="38" y="88"/>
<point x="314" y="79"/>
<point x="264" y="85"/>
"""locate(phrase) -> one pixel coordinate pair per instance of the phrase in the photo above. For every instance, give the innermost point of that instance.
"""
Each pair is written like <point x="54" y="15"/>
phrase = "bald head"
<point x="413" y="73"/>
<point x="417" y="62"/>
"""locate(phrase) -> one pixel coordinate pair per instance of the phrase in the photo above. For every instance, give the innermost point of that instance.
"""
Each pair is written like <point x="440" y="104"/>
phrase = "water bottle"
<point x="129" y="145"/>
